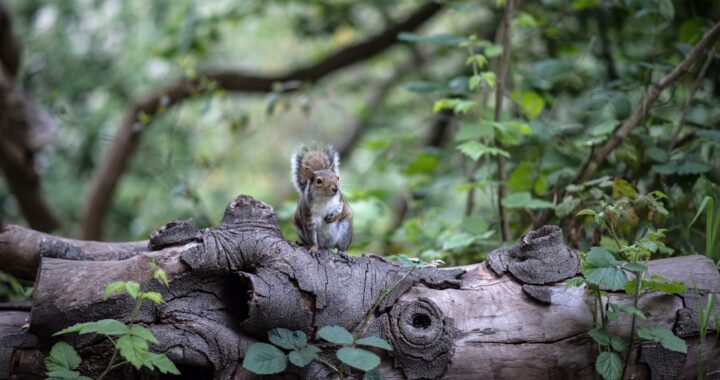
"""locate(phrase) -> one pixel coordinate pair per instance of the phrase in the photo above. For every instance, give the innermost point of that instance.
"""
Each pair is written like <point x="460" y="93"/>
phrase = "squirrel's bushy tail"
<point x="317" y="159"/>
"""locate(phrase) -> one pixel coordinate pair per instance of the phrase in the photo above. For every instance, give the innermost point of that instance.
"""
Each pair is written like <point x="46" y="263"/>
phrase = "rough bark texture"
<point x="231" y="284"/>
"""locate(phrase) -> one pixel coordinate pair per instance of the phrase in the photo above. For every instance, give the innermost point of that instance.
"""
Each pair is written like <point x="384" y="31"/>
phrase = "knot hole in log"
<point x="422" y="338"/>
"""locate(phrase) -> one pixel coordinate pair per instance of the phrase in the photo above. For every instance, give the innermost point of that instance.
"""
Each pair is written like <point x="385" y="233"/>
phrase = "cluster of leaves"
<point x="605" y="271"/>
<point x="265" y="359"/>
<point x="12" y="290"/>
<point x="130" y="341"/>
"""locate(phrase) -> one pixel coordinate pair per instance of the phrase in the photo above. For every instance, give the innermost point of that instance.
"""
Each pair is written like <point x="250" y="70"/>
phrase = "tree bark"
<point x="509" y="317"/>
<point x="24" y="128"/>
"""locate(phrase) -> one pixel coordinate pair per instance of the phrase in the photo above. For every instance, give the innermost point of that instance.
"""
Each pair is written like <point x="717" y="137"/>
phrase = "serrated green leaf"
<point x="373" y="374"/>
<point x="103" y="326"/>
<point x="600" y="336"/>
<point x="162" y="363"/>
<point x="609" y="366"/>
<point x="143" y="333"/>
<point x="133" y="349"/>
<point x="64" y="374"/>
<point x="303" y="356"/>
<point x="664" y="336"/>
<point x="602" y="269"/>
<point x="618" y="344"/>
<point x="287" y="339"/>
<point x="62" y="356"/>
<point x="373" y="341"/>
<point x="153" y="296"/>
<point x="112" y="288"/>
<point x="264" y="359"/>
<point x="335" y="334"/>
<point x="574" y="282"/>
<point x="667" y="287"/>
<point x="161" y="276"/>
<point x="132" y="288"/>
<point x="358" y="358"/>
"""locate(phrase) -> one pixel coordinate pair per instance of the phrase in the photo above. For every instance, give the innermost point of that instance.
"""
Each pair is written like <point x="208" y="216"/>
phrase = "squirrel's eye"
<point x="318" y="181"/>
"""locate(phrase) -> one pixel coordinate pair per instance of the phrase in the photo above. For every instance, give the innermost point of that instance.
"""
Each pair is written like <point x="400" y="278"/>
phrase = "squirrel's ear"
<point x="308" y="173"/>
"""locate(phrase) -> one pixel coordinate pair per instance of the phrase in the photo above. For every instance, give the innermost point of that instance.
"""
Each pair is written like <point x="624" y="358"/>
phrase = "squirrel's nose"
<point x="335" y="189"/>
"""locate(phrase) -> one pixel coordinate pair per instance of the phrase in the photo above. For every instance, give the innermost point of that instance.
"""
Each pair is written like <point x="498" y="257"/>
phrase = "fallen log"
<point x="509" y="317"/>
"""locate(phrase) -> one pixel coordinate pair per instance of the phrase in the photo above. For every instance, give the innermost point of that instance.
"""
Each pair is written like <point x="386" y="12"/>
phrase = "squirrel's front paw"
<point x="332" y="216"/>
<point x="313" y="249"/>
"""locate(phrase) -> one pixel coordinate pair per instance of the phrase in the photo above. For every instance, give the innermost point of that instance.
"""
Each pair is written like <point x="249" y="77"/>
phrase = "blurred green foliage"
<point x="577" y="70"/>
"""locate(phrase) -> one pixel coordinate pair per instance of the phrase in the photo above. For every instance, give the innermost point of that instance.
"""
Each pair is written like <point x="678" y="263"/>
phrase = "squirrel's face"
<point x="325" y="182"/>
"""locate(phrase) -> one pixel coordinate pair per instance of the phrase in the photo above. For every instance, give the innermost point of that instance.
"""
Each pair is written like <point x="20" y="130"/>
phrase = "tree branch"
<point x="499" y="93"/>
<point x="113" y="166"/>
<point x="18" y="122"/>
<point x="598" y="157"/>
<point x="708" y="40"/>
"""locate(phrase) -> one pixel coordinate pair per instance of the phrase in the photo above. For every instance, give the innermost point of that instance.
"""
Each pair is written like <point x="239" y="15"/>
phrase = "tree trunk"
<point x="509" y="317"/>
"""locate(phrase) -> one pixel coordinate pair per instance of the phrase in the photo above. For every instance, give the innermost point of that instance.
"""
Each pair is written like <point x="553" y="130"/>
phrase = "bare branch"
<point x="113" y="166"/>
<point x="499" y="93"/>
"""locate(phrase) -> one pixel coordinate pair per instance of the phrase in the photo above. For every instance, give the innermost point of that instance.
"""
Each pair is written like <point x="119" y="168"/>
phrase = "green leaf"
<point x="264" y="359"/>
<point x="574" y="282"/>
<point x="474" y="131"/>
<point x="600" y="336"/>
<point x="133" y="349"/>
<point x="143" y="333"/>
<point x="632" y="310"/>
<point x="602" y="269"/>
<point x="525" y="200"/>
<point x="103" y="326"/>
<point x="373" y="341"/>
<point x="132" y="288"/>
<point x="373" y="374"/>
<point x="112" y="288"/>
<point x="65" y="374"/>
<point x="62" y="356"/>
<point x="635" y="267"/>
<point x="152" y="296"/>
<point x="609" y="366"/>
<point x="358" y="358"/>
<point x="161" y="362"/>
<point x="303" y="356"/>
<point x="475" y="150"/>
<point x="618" y="344"/>
<point x="664" y="336"/>
<point x="460" y="240"/>
<point x="703" y="204"/>
<point x="335" y="334"/>
<point x="667" y="286"/>
<point x="475" y="225"/>
<point x="489" y="78"/>
<point x="287" y="339"/>
<point x="161" y="276"/>
<point x="586" y="212"/>
<point x="531" y="104"/>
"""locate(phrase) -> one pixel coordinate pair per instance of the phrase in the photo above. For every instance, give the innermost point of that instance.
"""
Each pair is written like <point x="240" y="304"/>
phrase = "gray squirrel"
<point x="323" y="218"/>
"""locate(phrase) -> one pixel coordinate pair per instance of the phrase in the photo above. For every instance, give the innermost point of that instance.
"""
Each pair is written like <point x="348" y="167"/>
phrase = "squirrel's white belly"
<point x="327" y="233"/>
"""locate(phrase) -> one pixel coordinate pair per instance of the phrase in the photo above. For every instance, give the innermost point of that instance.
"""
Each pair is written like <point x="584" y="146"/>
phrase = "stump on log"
<point x="509" y="317"/>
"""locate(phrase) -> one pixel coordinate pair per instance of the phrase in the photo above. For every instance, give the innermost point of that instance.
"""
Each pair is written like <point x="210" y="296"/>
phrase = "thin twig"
<point x="688" y="101"/>
<point x="499" y="93"/>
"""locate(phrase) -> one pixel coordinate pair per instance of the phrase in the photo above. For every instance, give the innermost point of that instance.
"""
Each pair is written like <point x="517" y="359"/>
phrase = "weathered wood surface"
<point x="230" y="284"/>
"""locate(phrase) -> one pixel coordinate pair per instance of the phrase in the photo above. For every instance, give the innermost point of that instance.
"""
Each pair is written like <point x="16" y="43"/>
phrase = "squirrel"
<point x="323" y="218"/>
